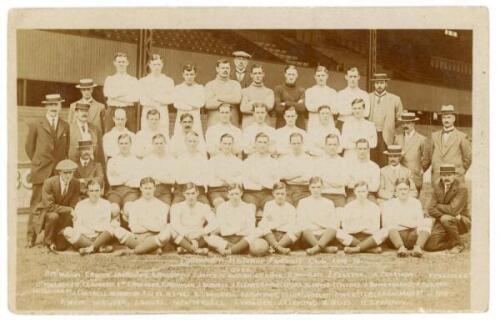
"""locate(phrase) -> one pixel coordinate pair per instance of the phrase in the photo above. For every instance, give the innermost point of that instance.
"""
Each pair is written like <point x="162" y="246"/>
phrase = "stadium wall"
<point x="61" y="60"/>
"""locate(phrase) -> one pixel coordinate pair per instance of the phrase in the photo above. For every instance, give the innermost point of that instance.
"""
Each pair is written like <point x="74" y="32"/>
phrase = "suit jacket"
<point x="417" y="155"/>
<point x="76" y="135"/>
<point x="45" y="147"/>
<point x="54" y="201"/>
<point x="388" y="179"/>
<point x="93" y="170"/>
<point x="454" y="202"/>
<point x="96" y="113"/>
<point x="456" y="151"/>
<point x="246" y="81"/>
<point x="391" y="107"/>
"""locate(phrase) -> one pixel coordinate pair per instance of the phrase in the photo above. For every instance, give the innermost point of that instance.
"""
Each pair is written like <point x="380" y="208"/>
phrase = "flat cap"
<point x="66" y="165"/>
<point x="242" y="54"/>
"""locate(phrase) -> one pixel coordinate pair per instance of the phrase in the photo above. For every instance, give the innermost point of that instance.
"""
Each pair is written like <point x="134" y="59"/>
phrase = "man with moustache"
<point x="121" y="91"/>
<point x="46" y="145"/>
<point x="81" y="129"/>
<point x="240" y="72"/>
<point x="177" y="144"/>
<point x="96" y="111"/>
<point x="449" y="208"/>
<point x="450" y="146"/>
<point x="417" y="148"/>
<point x="88" y="169"/>
<point x="222" y="90"/>
<point x="256" y="92"/>
<point x="385" y="109"/>
<point x="155" y="92"/>
<point x="287" y="95"/>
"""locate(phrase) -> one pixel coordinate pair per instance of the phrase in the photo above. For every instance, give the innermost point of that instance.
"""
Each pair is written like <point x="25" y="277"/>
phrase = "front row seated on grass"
<point x="194" y="228"/>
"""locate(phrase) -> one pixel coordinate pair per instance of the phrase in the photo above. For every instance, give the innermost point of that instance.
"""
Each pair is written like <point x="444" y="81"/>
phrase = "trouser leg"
<point x="450" y="224"/>
<point x="438" y="238"/>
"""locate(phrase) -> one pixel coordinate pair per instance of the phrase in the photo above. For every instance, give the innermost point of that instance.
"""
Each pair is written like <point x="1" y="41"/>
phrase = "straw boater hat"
<point x="86" y="84"/>
<point x="380" y="77"/>
<point x="447" y="169"/>
<point x="408" y="117"/>
<point x="448" y="109"/>
<point x="82" y="106"/>
<point x="242" y="54"/>
<point x="53" y="98"/>
<point x="394" y="150"/>
<point x="82" y="144"/>
<point x="66" y="165"/>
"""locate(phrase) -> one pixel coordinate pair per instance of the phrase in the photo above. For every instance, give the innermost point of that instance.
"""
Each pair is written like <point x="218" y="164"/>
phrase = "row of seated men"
<point x="146" y="224"/>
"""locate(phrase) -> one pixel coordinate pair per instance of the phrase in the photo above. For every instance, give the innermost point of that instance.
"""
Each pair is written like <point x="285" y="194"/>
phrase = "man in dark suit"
<point x="88" y="169"/>
<point x="449" y="208"/>
<point x="96" y="111"/>
<point x="450" y="146"/>
<point x="47" y="144"/>
<point x="82" y="129"/>
<point x="60" y="194"/>
<point x="240" y="72"/>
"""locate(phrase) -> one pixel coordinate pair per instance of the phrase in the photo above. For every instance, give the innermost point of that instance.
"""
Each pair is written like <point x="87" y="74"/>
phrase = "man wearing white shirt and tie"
<point x="121" y="91"/>
<point x="224" y="126"/>
<point x="282" y="134"/>
<point x="319" y="95"/>
<point x="160" y="166"/>
<point x="110" y="139"/>
<point x="191" y="167"/>
<point x="348" y="94"/>
<point x="316" y="136"/>
<point x="256" y="92"/>
<point x="225" y="168"/>
<point x="155" y="92"/>
<point x="123" y="174"/>
<point x="143" y="138"/>
<point x="260" y="173"/>
<point x="356" y="128"/>
<point x="189" y="97"/>
<point x="332" y="169"/>
<point x="296" y="170"/>
<point x="260" y="125"/>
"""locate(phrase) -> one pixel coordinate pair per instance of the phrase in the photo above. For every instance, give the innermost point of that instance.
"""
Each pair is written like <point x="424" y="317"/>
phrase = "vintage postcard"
<point x="244" y="160"/>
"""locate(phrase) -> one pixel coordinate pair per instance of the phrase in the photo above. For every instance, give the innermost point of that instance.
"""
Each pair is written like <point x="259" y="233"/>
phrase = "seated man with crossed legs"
<point x="92" y="222"/>
<point x="279" y="221"/>
<point x="317" y="219"/>
<point x="360" y="229"/>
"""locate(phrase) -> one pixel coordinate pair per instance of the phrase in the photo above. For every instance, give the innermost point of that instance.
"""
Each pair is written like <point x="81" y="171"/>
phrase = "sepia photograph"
<point x="231" y="161"/>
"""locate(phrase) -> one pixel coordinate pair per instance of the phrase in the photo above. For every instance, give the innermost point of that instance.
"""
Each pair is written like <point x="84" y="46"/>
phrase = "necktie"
<point x="84" y="129"/>
<point x="53" y="123"/>
<point x="65" y="189"/>
<point x="446" y="189"/>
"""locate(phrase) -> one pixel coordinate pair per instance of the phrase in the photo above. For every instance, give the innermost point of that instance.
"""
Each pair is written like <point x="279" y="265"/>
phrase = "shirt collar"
<point x="49" y="119"/>
<point x="381" y="94"/>
<point x="410" y="134"/>
<point x="83" y="162"/>
<point x="448" y="130"/>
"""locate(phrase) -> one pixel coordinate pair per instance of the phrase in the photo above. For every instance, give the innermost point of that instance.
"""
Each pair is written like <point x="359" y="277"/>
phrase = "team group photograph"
<point x="245" y="168"/>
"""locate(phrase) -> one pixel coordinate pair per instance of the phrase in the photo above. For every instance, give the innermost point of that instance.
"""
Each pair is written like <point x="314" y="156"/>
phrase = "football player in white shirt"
<point x="192" y="220"/>
<point x="110" y="139"/>
<point x="319" y="95"/>
<point x="256" y="92"/>
<point x="122" y="172"/>
<point x="296" y="170"/>
<point x="404" y="218"/>
<point x="260" y="125"/>
<point x="143" y="138"/>
<point x="92" y="228"/>
<point x="236" y="224"/>
<point x="147" y="218"/>
<point x="177" y="145"/>
<point x="155" y="92"/>
<point x="191" y="166"/>
<point x="224" y="126"/>
<point x="356" y="128"/>
<point x="282" y="134"/>
<point x="362" y="169"/>
<point x="260" y="173"/>
<point x="316" y="136"/>
<point x="225" y="168"/>
<point x="332" y="169"/>
<point x="361" y="230"/>
<point x="279" y="221"/>
<point x="318" y="220"/>
<point x="160" y="166"/>
<point x="348" y="94"/>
